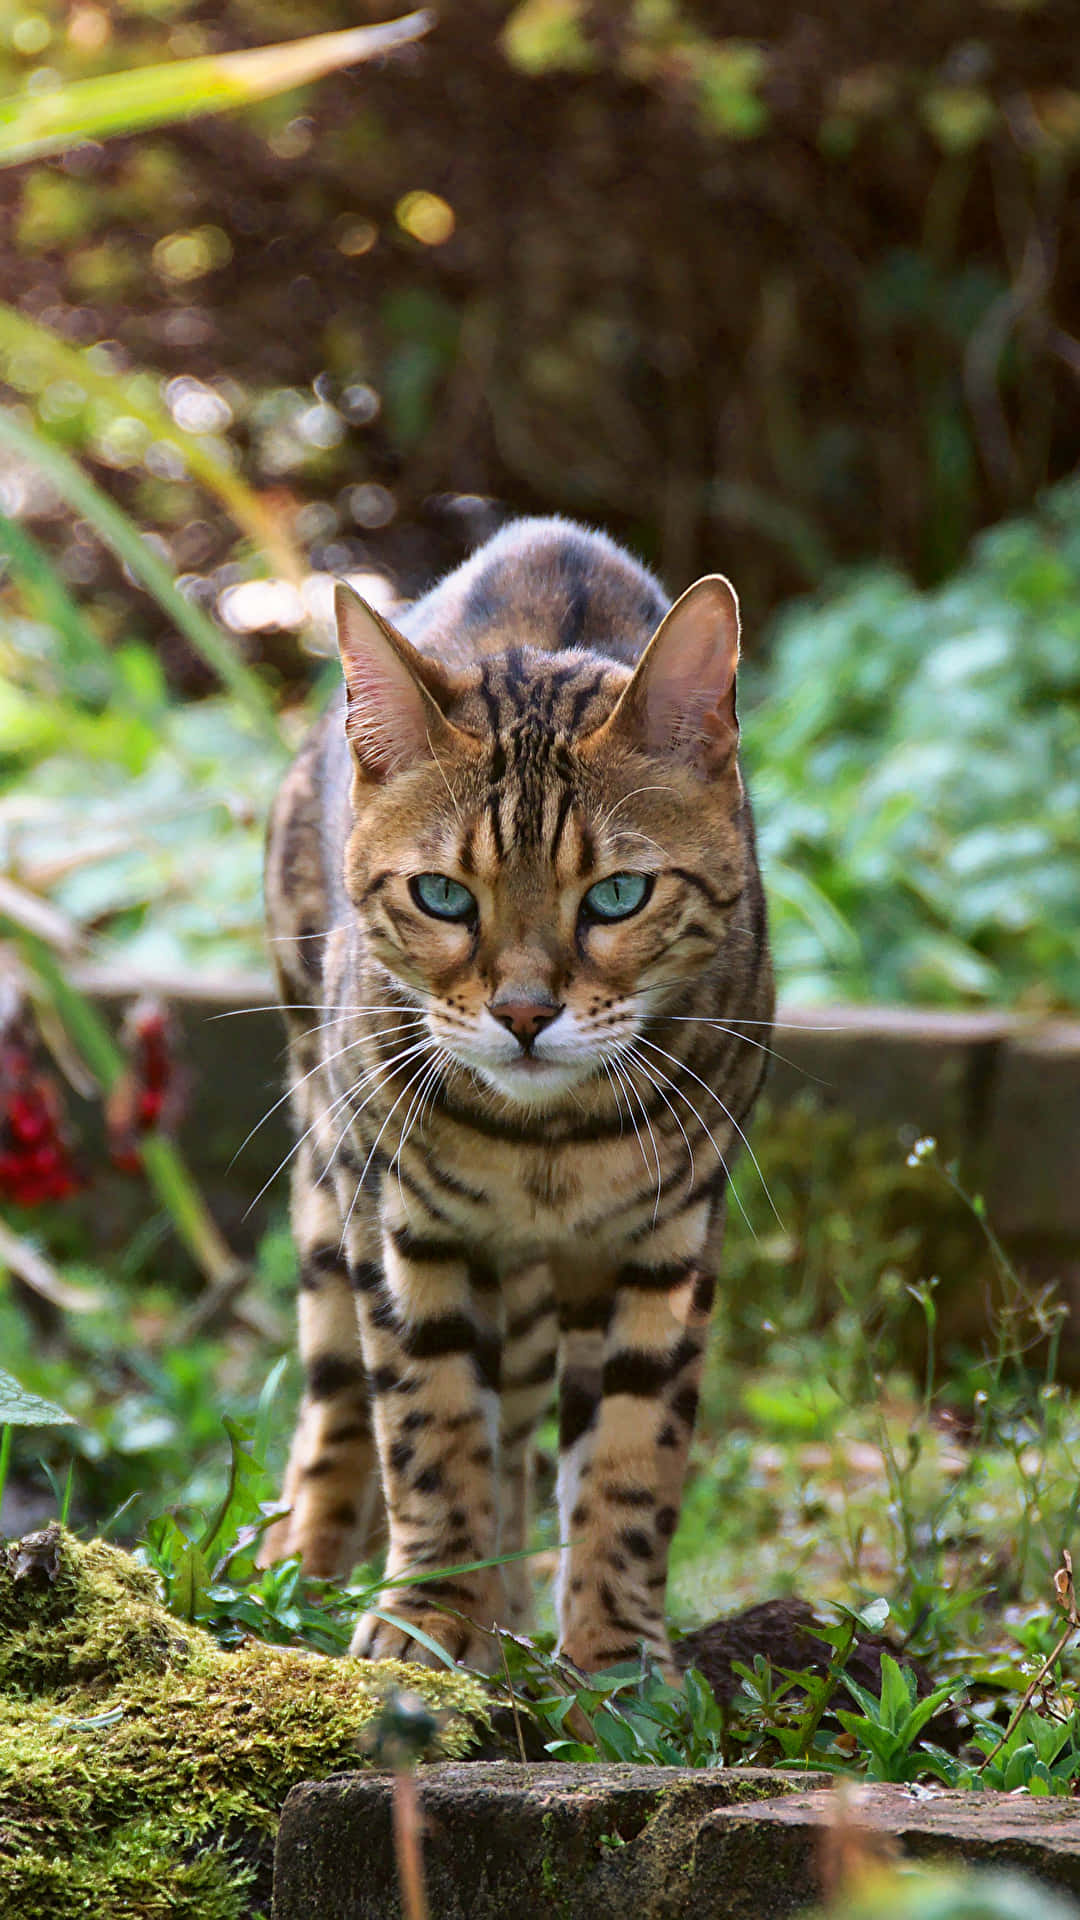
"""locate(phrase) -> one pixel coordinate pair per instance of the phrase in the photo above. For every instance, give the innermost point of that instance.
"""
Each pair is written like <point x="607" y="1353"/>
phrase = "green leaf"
<point x="926" y="1708"/>
<point x="47" y="121"/>
<point x="18" y="1408"/>
<point x="124" y="539"/>
<point x="897" y="1692"/>
<point x="1020" y="1765"/>
<point x="874" y="1615"/>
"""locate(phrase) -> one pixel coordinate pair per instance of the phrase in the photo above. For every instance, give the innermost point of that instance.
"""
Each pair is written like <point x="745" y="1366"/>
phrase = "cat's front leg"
<point x="431" y="1354"/>
<point x="530" y="1351"/>
<point x="629" y="1417"/>
<point x="331" y="1486"/>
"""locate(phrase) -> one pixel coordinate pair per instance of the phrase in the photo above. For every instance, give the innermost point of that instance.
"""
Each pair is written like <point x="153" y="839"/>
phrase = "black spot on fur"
<point x="637" y="1542"/>
<point x="585" y="1316"/>
<point x="704" y="1292"/>
<point x="577" y="1410"/>
<point x="661" y="1279"/>
<point x="684" y="1404"/>
<point x="383" y="1380"/>
<point x="424" y="1249"/>
<point x="329" y="1374"/>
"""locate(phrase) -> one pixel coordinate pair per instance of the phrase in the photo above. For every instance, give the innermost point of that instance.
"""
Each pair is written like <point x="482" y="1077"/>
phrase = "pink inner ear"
<point x="388" y="716"/>
<point x="689" y="675"/>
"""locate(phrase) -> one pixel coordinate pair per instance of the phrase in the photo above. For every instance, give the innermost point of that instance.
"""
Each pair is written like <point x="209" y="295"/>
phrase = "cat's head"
<point x="547" y="847"/>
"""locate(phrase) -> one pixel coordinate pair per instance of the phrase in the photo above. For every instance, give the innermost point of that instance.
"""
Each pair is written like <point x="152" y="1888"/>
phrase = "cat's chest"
<point x="523" y="1201"/>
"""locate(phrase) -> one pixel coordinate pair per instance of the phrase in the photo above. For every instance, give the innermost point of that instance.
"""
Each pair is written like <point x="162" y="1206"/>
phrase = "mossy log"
<point x="142" y="1768"/>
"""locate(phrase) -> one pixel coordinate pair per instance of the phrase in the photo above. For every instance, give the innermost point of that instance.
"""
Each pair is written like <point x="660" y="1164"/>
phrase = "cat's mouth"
<point x="530" y="1079"/>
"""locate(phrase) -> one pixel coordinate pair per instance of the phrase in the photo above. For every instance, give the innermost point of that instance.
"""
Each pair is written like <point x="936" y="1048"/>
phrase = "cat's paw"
<point x="465" y="1643"/>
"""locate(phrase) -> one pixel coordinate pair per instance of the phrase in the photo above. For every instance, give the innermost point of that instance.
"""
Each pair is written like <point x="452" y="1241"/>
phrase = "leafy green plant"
<point x="914" y="761"/>
<point x="630" y="1712"/>
<point x="888" y="1728"/>
<point x="1041" y="1754"/>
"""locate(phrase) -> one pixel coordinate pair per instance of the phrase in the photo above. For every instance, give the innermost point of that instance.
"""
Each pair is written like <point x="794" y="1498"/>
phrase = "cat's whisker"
<point x="327" y="1114"/>
<point x="618" y="1102"/>
<point x="674" y="1085"/>
<point x="454" y="802"/>
<point x="627" y="1056"/>
<point x="702" y="1019"/>
<point x="726" y="1111"/>
<point x="379" y="1073"/>
<point x="317" y="933"/>
<point x="434" y="1068"/>
<point x="607" y="814"/>
<point x="362" y="1176"/>
<point x="631" y="1095"/>
<point x="446" y="1063"/>
<point x="631" y="1053"/>
<point x="368" y="1033"/>
<point x="270" y="1112"/>
<point x="301" y="1006"/>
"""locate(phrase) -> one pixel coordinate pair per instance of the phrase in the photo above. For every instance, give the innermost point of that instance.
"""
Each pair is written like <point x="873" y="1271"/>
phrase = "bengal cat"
<point x="520" y="935"/>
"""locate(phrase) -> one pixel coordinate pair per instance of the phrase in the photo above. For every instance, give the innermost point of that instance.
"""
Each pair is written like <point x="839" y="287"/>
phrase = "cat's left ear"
<point x="681" y="699"/>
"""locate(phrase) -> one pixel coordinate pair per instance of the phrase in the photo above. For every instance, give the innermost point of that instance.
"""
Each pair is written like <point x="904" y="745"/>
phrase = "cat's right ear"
<point x="393" y="715"/>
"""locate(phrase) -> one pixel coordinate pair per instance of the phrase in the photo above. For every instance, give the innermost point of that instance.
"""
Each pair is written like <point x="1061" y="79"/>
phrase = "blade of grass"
<point x="416" y="1633"/>
<point x="35" y="124"/>
<point x="124" y="539"/>
<point x="45" y="591"/>
<point x="129" y="396"/>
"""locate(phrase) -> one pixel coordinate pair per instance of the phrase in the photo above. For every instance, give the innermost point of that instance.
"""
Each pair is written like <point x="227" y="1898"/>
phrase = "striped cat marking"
<point x="519" y="928"/>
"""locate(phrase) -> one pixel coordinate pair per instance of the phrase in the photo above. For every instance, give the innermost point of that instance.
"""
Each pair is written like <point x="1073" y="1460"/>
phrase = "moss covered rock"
<point x="142" y="1768"/>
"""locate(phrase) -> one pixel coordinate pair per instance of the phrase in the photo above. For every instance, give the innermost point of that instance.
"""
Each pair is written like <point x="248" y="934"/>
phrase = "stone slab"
<point x="891" y="1067"/>
<point x="562" y="1842"/>
<point x="1032" y="1148"/>
<point x="553" y="1841"/>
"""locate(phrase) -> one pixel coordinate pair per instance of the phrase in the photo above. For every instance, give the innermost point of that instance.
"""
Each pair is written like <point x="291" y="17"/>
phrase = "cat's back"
<point x="546" y="584"/>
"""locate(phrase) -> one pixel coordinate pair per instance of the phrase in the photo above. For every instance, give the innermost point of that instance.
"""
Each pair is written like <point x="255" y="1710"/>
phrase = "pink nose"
<point x="524" y="1018"/>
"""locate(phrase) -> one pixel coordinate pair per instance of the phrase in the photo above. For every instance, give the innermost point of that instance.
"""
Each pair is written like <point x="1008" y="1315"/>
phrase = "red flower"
<point x="35" y="1161"/>
<point x="149" y="1093"/>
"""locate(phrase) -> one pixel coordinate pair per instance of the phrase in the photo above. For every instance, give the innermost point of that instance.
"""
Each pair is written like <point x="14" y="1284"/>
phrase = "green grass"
<point x="851" y="1448"/>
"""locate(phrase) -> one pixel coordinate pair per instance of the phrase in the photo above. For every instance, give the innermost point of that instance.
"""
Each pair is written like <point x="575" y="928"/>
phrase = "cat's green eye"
<point x="446" y="899"/>
<point x="615" y="898"/>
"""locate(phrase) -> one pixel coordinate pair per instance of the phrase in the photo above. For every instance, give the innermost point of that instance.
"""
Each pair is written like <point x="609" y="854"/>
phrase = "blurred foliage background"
<point x="778" y="289"/>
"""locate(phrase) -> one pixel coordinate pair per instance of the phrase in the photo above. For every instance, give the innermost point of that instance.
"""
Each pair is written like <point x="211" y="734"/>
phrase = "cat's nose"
<point x="525" y="1019"/>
